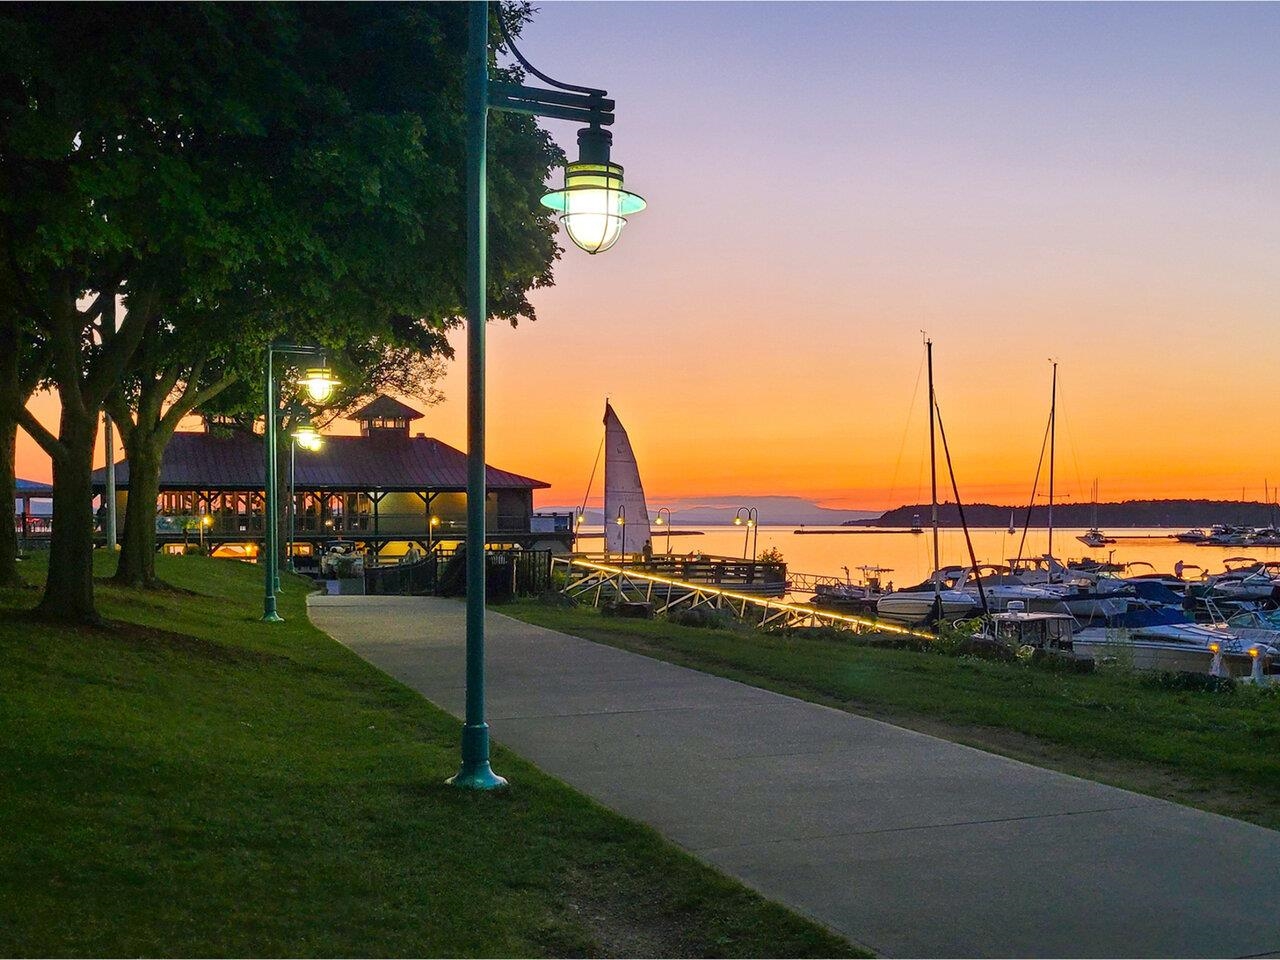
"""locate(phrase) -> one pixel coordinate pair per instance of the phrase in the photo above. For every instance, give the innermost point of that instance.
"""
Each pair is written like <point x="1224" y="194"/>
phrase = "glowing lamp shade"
<point x="593" y="207"/>
<point x="307" y="437"/>
<point x="319" y="383"/>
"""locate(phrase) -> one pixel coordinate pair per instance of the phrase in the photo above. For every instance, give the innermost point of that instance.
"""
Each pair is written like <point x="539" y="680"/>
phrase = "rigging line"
<point x="506" y="38"/>
<point x="586" y="496"/>
<point x="906" y="430"/>
<point x="973" y="559"/>
<point x="1035" y="486"/>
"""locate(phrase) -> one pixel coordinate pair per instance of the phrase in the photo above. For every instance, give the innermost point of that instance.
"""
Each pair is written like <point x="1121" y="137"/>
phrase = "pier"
<point x="595" y="583"/>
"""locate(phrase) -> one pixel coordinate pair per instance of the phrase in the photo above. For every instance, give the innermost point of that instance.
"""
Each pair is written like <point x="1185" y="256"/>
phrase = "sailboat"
<point x="626" y="515"/>
<point x="1086" y="600"/>
<point x="940" y="596"/>
<point x="1095" y="537"/>
<point x="1012" y="526"/>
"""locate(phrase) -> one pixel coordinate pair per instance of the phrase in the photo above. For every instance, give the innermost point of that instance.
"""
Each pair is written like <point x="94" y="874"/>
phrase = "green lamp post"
<point x="593" y="207"/>
<point x="319" y="382"/>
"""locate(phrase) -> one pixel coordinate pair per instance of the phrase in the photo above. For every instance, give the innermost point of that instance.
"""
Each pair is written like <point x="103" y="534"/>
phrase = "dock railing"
<point x="594" y="583"/>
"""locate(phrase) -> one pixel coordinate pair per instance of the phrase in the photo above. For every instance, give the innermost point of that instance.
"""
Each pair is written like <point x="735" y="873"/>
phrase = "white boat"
<point x="920" y="603"/>
<point x="1178" y="648"/>
<point x="1095" y="537"/>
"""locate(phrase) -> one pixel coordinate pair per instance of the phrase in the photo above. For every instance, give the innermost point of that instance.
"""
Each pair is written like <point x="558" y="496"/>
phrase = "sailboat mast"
<point x="1053" y="431"/>
<point x="933" y="464"/>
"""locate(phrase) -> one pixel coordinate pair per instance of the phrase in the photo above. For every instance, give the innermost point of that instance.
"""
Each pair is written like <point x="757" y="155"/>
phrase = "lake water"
<point x="911" y="555"/>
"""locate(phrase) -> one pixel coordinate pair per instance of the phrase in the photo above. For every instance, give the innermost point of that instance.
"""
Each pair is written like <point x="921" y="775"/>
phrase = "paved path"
<point x="910" y="845"/>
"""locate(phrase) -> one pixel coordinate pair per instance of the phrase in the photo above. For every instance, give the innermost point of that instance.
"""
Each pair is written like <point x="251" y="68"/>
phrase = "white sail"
<point x="623" y="491"/>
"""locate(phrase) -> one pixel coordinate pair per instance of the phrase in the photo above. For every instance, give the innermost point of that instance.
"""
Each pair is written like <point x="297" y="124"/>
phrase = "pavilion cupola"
<point x="385" y="416"/>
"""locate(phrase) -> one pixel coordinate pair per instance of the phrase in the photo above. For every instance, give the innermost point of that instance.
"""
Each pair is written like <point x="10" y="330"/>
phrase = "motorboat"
<point x="1194" y="535"/>
<point x="1243" y="579"/>
<point x="1020" y="629"/>
<point x="1001" y="589"/>
<point x="1088" y="597"/>
<point x="860" y="597"/>
<point x="942" y="596"/>
<point x="1178" y="648"/>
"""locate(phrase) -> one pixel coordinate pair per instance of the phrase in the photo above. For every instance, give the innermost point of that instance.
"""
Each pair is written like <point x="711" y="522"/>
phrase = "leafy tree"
<point x="293" y="170"/>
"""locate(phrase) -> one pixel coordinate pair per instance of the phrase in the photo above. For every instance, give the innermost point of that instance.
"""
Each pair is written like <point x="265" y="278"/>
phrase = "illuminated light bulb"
<point x="307" y="436"/>
<point x="593" y="206"/>
<point x="319" y="383"/>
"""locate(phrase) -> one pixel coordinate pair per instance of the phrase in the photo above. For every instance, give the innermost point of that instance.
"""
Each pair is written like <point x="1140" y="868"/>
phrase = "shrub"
<point x="705" y="617"/>
<point x="1187" y="682"/>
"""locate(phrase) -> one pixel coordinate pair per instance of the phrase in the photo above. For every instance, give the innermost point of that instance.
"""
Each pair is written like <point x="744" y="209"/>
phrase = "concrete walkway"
<point x="907" y="844"/>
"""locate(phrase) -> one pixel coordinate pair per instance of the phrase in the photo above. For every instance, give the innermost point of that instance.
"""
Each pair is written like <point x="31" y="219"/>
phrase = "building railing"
<point x="250" y="525"/>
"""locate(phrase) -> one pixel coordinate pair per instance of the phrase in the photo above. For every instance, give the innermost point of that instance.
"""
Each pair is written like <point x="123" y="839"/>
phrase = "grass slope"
<point x="1218" y="751"/>
<point x="192" y="782"/>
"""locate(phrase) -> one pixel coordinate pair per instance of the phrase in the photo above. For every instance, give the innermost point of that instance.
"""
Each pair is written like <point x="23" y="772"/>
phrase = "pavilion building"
<point x="383" y="490"/>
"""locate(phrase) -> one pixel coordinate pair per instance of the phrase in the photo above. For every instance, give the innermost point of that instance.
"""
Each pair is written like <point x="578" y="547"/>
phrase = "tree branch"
<point x="36" y="430"/>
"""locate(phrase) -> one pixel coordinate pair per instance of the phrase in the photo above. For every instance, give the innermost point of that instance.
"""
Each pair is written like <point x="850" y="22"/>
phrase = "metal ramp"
<point x="594" y="583"/>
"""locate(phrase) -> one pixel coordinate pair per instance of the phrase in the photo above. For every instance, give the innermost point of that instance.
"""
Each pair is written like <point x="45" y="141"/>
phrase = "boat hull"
<point x="918" y="607"/>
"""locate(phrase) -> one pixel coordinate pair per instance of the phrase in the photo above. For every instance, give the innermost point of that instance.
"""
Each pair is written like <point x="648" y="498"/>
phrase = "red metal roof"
<point x="385" y="408"/>
<point x="385" y="461"/>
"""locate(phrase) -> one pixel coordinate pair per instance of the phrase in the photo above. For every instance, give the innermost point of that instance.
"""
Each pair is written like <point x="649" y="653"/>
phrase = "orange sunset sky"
<point x="1094" y="183"/>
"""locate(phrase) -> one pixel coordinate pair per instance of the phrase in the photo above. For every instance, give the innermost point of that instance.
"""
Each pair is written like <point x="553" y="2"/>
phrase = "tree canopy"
<point x="180" y="184"/>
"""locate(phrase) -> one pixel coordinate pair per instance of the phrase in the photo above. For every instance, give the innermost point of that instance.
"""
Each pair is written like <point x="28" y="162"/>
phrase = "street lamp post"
<point x="659" y="522"/>
<point x="751" y="522"/>
<point x="319" y="383"/>
<point x="306" y="436"/>
<point x="593" y="208"/>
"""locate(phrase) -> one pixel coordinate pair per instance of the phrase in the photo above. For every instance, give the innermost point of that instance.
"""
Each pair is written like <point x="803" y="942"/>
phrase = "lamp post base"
<point x="477" y="777"/>
<point x="272" y="617"/>
<point x="475" y="772"/>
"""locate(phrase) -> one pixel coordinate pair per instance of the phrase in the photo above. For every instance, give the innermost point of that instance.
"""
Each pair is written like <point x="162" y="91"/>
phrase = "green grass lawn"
<point x="189" y="781"/>
<point x="1216" y="750"/>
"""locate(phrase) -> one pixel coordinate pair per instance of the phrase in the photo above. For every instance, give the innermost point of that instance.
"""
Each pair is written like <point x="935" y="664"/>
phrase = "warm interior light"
<point x="319" y="383"/>
<point x="1214" y="648"/>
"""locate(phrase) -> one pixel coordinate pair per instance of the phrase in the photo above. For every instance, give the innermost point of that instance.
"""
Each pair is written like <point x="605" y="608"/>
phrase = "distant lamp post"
<point x="205" y="521"/>
<point x="319" y="382"/>
<point x="748" y="517"/>
<point x="621" y="521"/>
<point x="593" y="208"/>
<point x="659" y="522"/>
<point x="306" y="436"/>
<point x="431" y="527"/>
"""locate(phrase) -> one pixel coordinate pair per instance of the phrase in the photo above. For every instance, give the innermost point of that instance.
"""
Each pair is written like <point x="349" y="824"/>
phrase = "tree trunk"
<point x="137" y="563"/>
<point x="8" y="495"/>
<point x="68" y="592"/>
<point x="10" y="400"/>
